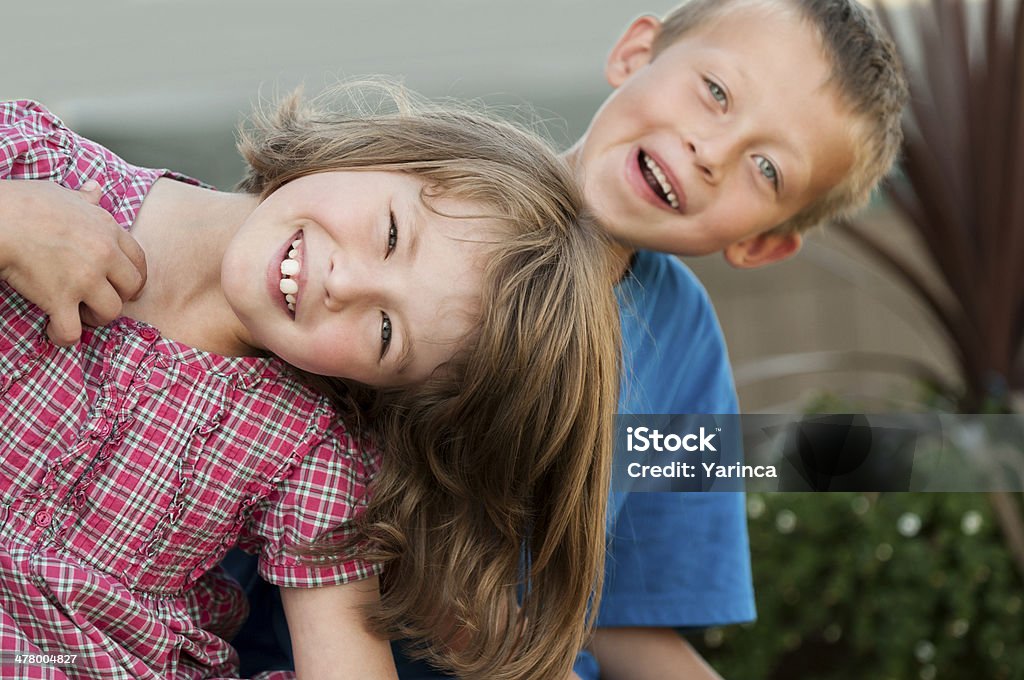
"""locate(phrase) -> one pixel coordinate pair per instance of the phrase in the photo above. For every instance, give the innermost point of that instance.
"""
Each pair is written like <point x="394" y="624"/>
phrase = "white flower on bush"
<point x="755" y="507"/>
<point x="785" y="521"/>
<point x="924" y="651"/>
<point x="971" y="522"/>
<point x="860" y="505"/>
<point x="908" y="524"/>
<point x="959" y="628"/>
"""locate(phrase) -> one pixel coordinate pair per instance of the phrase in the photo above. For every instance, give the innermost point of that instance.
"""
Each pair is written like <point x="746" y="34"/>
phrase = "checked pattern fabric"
<point x="130" y="464"/>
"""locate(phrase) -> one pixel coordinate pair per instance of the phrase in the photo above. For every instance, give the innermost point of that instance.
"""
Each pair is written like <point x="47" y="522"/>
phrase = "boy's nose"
<point x="712" y="155"/>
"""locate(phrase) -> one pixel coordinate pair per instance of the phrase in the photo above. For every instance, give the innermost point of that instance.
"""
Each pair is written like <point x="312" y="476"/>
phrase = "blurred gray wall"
<point x="163" y="82"/>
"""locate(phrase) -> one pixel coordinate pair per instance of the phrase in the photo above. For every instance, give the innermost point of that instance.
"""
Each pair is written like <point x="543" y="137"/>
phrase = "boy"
<point x="734" y="126"/>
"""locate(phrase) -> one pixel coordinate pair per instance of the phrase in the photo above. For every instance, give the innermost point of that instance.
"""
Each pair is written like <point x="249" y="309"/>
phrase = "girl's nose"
<point x="348" y="282"/>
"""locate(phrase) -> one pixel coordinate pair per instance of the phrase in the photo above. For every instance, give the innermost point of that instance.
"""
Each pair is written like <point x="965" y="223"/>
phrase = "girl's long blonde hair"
<point x="489" y="510"/>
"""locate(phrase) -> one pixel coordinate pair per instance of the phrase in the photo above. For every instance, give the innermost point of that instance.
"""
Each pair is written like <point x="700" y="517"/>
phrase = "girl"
<point x="427" y="275"/>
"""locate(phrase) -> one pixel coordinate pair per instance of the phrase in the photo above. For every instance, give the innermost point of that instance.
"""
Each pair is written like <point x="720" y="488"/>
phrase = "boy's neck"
<point x="184" y="231"/>
<point x="623" y="255"/>
<point x="622" y="252"/>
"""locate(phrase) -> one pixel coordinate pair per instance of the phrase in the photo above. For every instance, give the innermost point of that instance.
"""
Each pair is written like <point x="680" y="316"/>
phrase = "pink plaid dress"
<point x="130" y="463"/>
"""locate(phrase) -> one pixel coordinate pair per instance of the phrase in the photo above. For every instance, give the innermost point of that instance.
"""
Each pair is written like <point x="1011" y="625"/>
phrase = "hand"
<point x="67" y="255"/>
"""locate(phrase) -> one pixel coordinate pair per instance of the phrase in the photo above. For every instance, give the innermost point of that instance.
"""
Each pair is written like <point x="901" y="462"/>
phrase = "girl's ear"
<point x="765" y="248"/>
<point x="632" y="51"/>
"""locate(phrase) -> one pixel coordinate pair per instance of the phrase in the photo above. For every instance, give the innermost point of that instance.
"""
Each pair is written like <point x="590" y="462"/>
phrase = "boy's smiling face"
<point x="727" y="133"/>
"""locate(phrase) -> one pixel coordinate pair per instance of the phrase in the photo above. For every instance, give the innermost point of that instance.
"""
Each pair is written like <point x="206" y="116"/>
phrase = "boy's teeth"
<point x="289" y="287"/>
<point x="663" y="182"/>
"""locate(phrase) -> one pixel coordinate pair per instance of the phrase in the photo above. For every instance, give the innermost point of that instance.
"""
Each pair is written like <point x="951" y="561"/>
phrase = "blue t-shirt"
<point x="675" y="560"/>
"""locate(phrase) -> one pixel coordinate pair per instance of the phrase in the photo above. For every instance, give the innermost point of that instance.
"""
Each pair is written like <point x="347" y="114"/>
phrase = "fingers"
<point x="129" y="284"/>
<point x="127" y="276"/>
<point x="64" y="328"/>
<point x="77" y="263"/>
<point x="91" y="192"/>
<point x="100" y="307"/>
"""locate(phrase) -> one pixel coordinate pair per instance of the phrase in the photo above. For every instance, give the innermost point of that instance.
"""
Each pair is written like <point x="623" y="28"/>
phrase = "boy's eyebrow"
<point x="796" y="166"/>
<point x="783" y="137"/>
<point x="743" y="75"/>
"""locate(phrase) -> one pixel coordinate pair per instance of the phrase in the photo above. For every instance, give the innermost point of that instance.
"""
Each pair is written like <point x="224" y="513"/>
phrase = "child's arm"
<point x="66" y="255"/>
<point x="647" y="654"/>
<point x="330" y="639"/>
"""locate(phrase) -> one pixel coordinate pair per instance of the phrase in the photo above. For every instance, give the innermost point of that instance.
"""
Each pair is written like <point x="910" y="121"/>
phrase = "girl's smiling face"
<point x="375" y="286"/>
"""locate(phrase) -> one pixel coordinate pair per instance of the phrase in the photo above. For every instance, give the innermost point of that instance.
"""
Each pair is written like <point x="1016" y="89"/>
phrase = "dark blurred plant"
<point x="962" y="185"/>
<point x="853" y="586"/>
<point x="962" y="192"/>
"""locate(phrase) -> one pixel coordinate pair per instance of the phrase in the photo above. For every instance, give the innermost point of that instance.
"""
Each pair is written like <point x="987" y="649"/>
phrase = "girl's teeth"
<point x="289" y="267"/>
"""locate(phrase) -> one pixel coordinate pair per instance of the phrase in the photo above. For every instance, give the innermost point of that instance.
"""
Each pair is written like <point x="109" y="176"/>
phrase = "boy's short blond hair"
<point x="866" y="73"/>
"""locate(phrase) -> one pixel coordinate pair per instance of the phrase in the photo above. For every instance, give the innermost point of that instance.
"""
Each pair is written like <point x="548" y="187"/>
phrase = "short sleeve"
<point x="318" y="501"/>
<point x="675" y="356"/>
<point x="33" y="142"/>
<point x="679" y="560"/>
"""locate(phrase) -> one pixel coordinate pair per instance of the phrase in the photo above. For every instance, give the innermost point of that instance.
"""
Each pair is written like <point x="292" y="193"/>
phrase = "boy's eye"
<point x="767" y="169"/>
<point x="385" y="334"/>
<point x="718" y="92"/>
<point x="392" y="235"/>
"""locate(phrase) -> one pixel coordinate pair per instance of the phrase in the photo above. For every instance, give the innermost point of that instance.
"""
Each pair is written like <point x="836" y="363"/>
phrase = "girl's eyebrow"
<point x="408" y="352"/>
<point x="415" y="219"/>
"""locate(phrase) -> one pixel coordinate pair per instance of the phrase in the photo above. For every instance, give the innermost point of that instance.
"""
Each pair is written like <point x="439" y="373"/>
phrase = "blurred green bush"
<point x="854" y="586"/>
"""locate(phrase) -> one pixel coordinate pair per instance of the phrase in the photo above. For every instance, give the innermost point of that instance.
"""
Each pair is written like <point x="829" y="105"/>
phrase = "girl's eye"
<point x="392" y="235"/>
<point x="385" y="334"/>
<point x="768" y="170"/>
<point x="718" y="92"/>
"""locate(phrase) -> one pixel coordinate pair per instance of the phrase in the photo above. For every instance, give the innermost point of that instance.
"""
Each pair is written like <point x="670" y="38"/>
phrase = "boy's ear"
<point x="765" y="248"/>
<point x="632" y="51"/>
